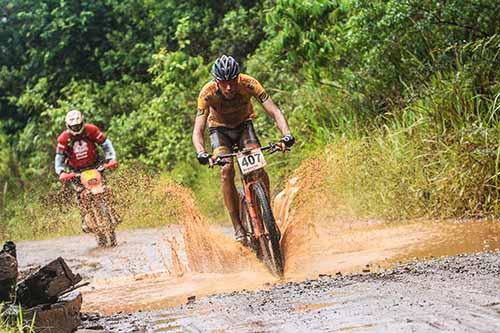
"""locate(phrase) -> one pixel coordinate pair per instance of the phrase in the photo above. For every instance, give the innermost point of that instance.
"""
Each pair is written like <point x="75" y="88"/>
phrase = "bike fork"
<point x="253" y="213"/>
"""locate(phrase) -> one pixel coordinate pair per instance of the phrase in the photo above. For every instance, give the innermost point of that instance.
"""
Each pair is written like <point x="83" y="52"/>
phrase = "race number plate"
<point x="89" y="174"/>
<point x="251" y="161"/>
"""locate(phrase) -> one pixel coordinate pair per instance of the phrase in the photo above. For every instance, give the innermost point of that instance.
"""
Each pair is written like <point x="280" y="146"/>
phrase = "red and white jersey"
<point x="81" y="150"/>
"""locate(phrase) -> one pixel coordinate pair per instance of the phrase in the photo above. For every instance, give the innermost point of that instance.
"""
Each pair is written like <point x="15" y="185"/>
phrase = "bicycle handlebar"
<point x="221" y="160"/>
<point x="101" y="168"/>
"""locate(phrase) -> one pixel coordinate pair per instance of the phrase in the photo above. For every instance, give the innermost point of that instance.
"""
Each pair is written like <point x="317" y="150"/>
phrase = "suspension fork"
<point x="252" y="209"/>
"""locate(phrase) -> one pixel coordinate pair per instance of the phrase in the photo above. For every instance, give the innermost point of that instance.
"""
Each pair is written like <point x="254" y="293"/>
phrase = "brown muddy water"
<point x="139" y="275"/>
<point x="153" y="269"/>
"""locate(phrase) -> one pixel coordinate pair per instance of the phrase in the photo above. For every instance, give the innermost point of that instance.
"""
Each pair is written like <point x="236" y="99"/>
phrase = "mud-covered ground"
<point x="143" y="285"/>
<point x="459" y="293"/>
<point x="340" y="274"/>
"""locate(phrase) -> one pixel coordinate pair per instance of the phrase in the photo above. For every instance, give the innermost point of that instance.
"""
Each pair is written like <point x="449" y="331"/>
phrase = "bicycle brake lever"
<point x="217" y="161"/>
<point x="212" y="162"/>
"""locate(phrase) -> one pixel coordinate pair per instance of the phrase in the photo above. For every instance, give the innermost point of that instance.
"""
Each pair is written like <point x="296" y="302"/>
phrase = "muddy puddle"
<point x="367" y="247"/>
<point x="139" y="274"/>
<point x="153" y="269"/>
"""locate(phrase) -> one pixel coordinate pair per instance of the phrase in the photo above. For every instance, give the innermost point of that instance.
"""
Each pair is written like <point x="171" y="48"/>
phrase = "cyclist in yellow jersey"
<point x="225" y="103"/>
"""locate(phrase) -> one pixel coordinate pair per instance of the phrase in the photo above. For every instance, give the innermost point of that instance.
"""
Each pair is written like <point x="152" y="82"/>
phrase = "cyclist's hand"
<point x="66" y="177"/>
<point x="112" y="164"/>
<point x="203" y="157"/>
<point x="288" y="140"/>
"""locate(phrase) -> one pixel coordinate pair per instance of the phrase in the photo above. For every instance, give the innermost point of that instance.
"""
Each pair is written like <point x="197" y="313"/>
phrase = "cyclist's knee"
<point x="227" y="172"/>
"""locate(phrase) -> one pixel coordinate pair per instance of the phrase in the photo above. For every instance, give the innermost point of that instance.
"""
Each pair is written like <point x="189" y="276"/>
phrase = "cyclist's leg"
<point x="249" y="139"/>
<point x="221" y="144"/>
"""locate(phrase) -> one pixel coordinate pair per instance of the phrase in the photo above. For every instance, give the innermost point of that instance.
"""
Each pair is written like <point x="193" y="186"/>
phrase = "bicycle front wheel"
<point x="270" y="241"/>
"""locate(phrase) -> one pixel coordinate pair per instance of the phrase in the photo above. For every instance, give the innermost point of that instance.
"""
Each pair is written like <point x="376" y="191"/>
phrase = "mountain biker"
<point x="225" y="103"/>
<point x="77" y="151"/>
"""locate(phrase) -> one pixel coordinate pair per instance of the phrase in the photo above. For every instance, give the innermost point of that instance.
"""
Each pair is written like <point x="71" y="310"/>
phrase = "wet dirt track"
<point x="140" y="290"/>
<point x="459" y="294"/>
<point x="139" y="252"/>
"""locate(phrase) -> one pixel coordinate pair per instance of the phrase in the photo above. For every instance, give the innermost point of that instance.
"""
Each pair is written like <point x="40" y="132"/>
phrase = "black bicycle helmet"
<point x="225" y="68"/>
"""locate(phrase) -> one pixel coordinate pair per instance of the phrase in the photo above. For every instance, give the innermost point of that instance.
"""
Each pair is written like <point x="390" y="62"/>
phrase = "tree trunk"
<point x="45" y="285"/>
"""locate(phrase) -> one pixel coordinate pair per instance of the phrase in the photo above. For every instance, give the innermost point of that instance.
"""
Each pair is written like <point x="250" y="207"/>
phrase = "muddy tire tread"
<point x="270" y="246"/>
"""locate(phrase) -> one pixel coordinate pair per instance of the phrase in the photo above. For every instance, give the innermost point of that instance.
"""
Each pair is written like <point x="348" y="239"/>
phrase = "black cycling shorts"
<point x="224" y="139"/>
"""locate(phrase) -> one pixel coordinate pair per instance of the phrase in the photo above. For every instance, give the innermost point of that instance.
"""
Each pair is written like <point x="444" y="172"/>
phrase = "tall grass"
<point x="433" y="150"/>
<point x="9" y="324"/>
<point x="436" y="153"/>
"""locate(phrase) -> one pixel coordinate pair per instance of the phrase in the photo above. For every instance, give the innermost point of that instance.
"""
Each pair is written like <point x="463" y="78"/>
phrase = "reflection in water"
<point x="450" y="238"/>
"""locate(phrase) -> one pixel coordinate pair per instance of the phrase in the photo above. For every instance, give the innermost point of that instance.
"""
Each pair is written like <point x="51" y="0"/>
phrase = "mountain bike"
<point x="262" y="233"/>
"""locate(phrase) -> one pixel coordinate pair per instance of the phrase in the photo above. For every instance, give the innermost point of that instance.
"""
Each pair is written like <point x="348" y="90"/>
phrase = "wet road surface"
<point x="137" y="286"/>
<point x="455" y="294"/>
<point x="341" y="274"/>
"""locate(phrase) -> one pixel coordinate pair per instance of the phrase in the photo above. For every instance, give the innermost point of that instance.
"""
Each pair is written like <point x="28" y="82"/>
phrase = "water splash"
<point x="208" y="251"/>
<point x="297" y="208"/>
<point x="178" y="269"/>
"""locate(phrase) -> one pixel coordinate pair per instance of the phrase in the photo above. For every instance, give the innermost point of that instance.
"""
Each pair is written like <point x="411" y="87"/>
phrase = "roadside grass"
<point x="436" y="156"/>
<point x="140" y="199"/>
<point x="12" y="325"/>
<point x="411" y="166"/>
<point x="433" y="153"/>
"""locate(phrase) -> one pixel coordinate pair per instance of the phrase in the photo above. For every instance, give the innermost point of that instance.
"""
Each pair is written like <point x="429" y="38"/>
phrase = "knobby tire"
<point x="270" y="240"/>
<point x="105" y="233"/>
<point x="109" y="224"/>
<point x="100" y="236"/>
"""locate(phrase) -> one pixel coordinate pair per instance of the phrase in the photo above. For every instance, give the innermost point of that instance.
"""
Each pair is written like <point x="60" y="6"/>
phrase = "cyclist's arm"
<point x="59" y="163"/>
<point x="109" y="151"/>
<point x="60" y="159"/>
<point x="199" y="127"/>
<point x="274" y="112"/>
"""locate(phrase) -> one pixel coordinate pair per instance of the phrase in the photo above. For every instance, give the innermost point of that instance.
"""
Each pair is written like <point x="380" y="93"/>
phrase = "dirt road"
<point x="455" y="294"/>
<point x="458" y="294"/>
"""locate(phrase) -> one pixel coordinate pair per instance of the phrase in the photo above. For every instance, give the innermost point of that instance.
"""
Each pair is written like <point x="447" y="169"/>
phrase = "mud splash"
<point x="202" y="262"/>
<point x="153" y="269"/>
<point x="208" y="251"/>
<point x="316" y="240"/>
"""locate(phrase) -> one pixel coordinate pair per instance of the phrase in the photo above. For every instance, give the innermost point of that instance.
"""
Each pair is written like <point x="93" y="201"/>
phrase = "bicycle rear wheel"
<point x="270" y="241"/>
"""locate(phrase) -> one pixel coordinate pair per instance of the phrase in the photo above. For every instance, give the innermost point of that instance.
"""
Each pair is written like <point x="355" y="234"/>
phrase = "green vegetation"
<point x="14" y="325"/>
<point x="401" y="97"/>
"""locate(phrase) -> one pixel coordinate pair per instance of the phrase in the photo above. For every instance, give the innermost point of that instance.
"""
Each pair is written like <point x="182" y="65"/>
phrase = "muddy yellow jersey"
<point x="230" y="112"/>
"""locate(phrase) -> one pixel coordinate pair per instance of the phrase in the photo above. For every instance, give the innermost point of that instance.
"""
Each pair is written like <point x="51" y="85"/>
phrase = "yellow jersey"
<point x="230" y="112"/>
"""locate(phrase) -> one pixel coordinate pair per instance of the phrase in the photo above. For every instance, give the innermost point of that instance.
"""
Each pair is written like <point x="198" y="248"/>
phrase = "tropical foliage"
<point x="404" y="92"/>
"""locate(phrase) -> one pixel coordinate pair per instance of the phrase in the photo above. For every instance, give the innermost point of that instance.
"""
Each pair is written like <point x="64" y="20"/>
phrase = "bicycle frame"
<point x="262" y="233"/>
<point x="249" y="180"/>
<point x="247" y="185"/>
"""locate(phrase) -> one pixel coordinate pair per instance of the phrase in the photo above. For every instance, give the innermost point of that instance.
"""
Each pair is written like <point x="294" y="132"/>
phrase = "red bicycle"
<point x="262" y="233"/>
